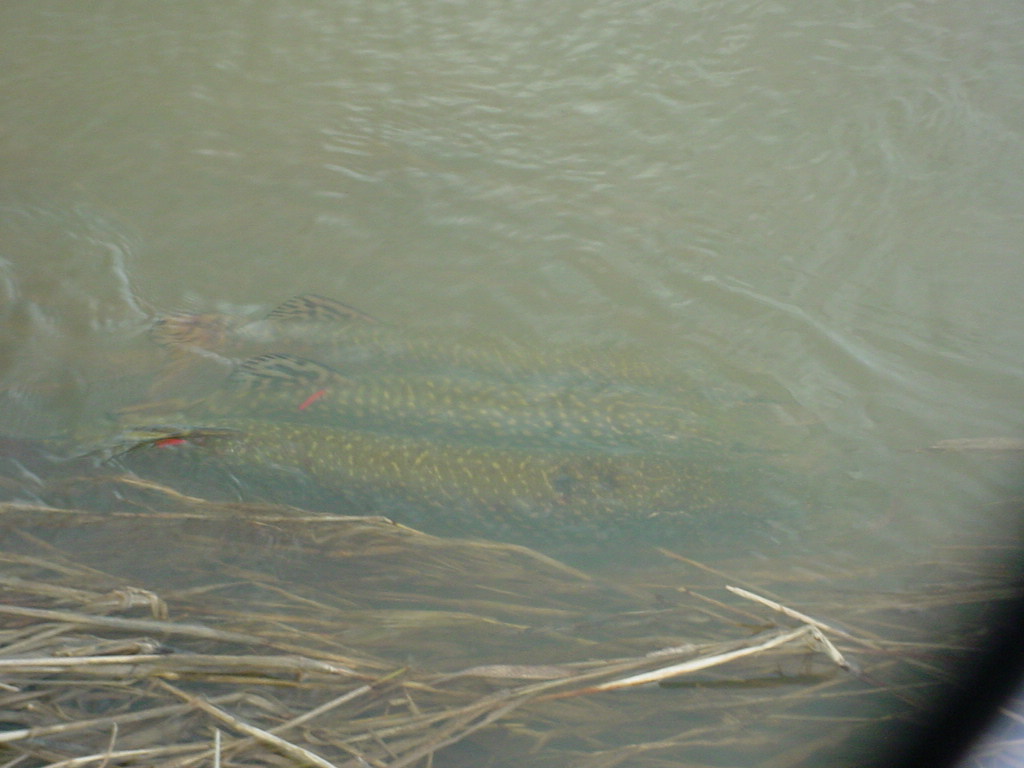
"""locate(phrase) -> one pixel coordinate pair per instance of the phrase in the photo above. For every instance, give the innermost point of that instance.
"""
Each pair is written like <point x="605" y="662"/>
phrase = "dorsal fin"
<point x="310" y="308"/>
<point x="283" y="370"/>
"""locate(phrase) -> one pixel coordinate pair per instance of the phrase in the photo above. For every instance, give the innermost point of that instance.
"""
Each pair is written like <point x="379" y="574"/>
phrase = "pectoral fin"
<point x="135" y="437"/>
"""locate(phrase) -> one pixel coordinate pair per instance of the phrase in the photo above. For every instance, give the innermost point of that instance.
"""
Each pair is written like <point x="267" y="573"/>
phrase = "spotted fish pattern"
<point x="511" y="493"/>
<point x="342" y="336"/>
<point x="492" y="439"/>
<point x="288" y="388"/>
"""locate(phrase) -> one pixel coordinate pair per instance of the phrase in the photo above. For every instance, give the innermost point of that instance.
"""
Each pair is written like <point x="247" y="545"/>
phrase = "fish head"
<point x="192" y="331"/>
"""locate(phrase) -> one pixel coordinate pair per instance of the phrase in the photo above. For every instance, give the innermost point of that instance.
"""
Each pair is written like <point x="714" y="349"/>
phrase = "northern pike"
<point x="285" y="387"/>
<point x="468" y="489"/>
<point x="342" y="336"/>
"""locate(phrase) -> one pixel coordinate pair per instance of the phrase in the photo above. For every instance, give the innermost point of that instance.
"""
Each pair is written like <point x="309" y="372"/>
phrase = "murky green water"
<point x="808" y="212"/>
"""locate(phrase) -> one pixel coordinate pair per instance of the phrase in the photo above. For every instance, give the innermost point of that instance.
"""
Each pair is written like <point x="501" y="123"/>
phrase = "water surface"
<point x="811" y="211"/>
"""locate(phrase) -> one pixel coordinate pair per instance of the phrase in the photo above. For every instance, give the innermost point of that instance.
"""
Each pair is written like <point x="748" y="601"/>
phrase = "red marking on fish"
<point x="312" y="399"/>
<point x="170" y="441"/>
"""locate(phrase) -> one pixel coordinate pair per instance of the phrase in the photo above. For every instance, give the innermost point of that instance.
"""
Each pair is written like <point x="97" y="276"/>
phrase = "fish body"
<point x="490" y="438"/>
<point x="387" y="349"/>
<point x="452" y="487"/>
<point x="215" y="331"/>
<point x="341" y="336"/>
<point x="288" y="388"/>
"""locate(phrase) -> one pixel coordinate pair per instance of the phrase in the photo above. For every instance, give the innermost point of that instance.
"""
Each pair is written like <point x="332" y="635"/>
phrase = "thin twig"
<point x="794" y="614"/>
<point x="773" y="640"/>
<point x="159" y="663"/>
<point x="292" y="750"/>
<point x="133" y="625"/>
<point x="167" y="711"/>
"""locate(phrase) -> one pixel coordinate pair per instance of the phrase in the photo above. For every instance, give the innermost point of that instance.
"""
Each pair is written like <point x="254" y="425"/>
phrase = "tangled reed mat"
<point x="177" y="631"/>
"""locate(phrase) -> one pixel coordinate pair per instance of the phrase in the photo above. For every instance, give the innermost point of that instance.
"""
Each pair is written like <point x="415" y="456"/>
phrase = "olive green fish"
<point x="214" y="331"/>
<point x="285" y="387"/>
<point x="512" y="494"/>
<point x="337" y="334"/>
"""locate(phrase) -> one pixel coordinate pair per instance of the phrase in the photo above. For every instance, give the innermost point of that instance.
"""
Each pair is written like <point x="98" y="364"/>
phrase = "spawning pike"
<point x="192" y="339"/>
<point x="512" y="494"/>
<point x="342" y="336"/>
<point x="213" y="331"/>
<point x="285" y="387"/>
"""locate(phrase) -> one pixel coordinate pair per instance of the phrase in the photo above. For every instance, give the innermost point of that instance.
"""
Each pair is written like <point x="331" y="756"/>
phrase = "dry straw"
<point x="345" y="642"/>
